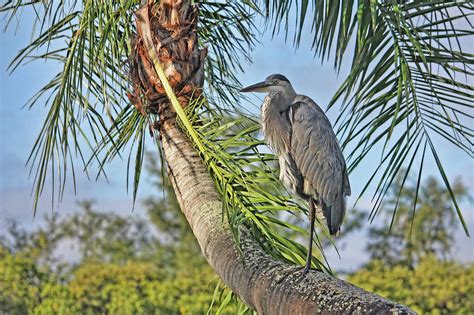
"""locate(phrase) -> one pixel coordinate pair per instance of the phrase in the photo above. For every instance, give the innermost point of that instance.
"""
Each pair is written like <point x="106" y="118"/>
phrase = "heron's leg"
<point x="312" y="216"/>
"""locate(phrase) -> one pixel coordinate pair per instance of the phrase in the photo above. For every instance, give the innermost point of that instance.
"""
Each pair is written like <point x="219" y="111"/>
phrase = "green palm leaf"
<point x="407" y="84"/>
<point x="90" y="114"/>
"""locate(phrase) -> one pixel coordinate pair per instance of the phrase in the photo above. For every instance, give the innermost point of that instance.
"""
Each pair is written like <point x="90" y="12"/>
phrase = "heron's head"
<point x="273" y="83"/>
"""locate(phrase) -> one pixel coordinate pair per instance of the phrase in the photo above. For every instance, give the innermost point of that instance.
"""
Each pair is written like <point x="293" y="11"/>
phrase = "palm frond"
<point x="90" y="40"/>
<point x="228" y="29"/>
<point x="90" y="115"/>
<point x="409" y="79"/>
<point x="247" y="180"/>
<point x="251" y="193"/>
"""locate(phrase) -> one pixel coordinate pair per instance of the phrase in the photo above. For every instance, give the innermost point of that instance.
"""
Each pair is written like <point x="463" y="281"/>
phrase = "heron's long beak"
<point x="258" y="87"/>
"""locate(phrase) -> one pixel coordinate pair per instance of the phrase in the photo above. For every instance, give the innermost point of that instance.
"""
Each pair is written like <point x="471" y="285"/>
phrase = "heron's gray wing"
<point x="318" y="157"/>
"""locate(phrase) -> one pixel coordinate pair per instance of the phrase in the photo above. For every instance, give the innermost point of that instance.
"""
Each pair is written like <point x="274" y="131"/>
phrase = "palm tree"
<point x="405" y="85"/>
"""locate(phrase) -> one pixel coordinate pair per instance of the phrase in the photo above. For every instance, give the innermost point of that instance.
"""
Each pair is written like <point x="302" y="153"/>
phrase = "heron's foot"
<point x="301" y="269"/>
<point x="306" y="268"/>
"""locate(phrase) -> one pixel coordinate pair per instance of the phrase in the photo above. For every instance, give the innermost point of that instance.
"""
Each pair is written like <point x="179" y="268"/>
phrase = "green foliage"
<point x="19" y="280"/>
<point x="124" y="267"/>
<point x="137" y="287"/>
<point x="409" y="262"/>
<point x="432" y="287"/>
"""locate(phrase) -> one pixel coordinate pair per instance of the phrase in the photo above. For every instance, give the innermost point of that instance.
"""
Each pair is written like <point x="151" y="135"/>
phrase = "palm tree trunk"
<point x="266" y="285"/>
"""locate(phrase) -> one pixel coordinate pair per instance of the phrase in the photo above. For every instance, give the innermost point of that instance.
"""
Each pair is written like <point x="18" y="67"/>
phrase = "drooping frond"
<point x="410" y="81"/>
<point x="246" y="178"/>
<point x="90" y="113"/>
<point x="91" y="41"/>
<point x="408" y="85"/>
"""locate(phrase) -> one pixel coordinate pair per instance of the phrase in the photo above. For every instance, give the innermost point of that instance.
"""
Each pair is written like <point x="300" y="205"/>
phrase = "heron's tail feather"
<point x="334" y="214"/>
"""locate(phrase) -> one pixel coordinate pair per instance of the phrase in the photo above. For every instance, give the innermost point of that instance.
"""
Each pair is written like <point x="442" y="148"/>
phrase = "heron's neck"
<point x="282" y="99"/>
<point x="274" y="123"/>
<point x="289" y="94"/>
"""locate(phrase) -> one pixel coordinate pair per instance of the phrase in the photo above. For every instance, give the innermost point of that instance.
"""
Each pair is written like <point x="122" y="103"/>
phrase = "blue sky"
<point x="19" y="127"/>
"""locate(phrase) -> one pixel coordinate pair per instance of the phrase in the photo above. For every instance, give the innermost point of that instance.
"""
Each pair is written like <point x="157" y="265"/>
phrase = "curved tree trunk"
<point x="266" y="285"/>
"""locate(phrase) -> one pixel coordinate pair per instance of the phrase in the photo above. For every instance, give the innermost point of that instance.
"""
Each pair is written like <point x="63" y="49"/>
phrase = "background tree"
<point x="158" y="276"/>
<point x="423" y="225"/>
<point x="120" y="264"/>
<point x="411" y="263"/>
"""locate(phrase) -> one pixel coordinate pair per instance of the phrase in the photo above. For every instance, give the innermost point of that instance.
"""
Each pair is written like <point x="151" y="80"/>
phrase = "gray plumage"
<point x="311" y="162"/>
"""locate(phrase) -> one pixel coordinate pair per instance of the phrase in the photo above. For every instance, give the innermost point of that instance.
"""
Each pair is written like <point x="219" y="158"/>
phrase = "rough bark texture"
<point x="268" y="286"/>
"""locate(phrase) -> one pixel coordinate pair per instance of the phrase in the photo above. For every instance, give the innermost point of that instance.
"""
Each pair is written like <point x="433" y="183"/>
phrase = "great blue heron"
<point x="311" y="162"/>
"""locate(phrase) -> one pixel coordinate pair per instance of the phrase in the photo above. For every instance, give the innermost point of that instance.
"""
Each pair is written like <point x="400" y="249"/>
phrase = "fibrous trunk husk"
<point x="173" y="26"/>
